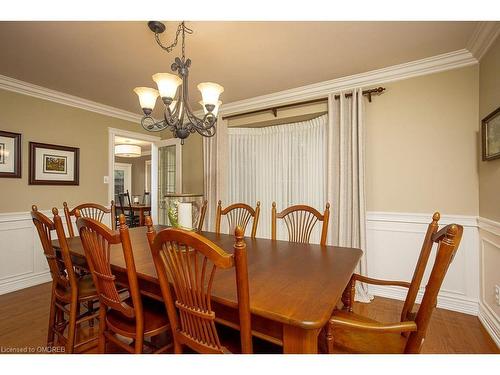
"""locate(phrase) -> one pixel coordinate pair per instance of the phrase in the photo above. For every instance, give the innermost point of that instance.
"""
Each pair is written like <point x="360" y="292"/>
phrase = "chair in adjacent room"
<point x="348" y="332"/>
<point x="189" y="262"/>
<point x="300" y="221"/>
<point x="238" y="214"/>
<point x="137" y="318"/>
<point x="69" y="292"/>
<point x="124" y="207"/>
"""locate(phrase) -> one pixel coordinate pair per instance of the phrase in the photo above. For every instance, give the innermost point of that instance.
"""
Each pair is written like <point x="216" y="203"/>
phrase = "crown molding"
<point x="25" y="88"/>
<point x="434" y="64"/>
<point x="483" y="37"/>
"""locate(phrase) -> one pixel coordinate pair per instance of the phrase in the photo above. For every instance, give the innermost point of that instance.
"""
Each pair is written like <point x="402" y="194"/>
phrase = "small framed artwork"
<point x="54" y="165"/>
<point x="10" y="154"/>
<point x="491" y="135"/>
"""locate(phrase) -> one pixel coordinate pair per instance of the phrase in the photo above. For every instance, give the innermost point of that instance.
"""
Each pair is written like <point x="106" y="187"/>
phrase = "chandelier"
<point x="178" y="115"/>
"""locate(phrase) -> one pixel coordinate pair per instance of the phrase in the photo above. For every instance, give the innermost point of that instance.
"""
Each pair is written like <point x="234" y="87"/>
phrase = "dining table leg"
<point x="141" y="217"/>
<point x="298" y="340"/>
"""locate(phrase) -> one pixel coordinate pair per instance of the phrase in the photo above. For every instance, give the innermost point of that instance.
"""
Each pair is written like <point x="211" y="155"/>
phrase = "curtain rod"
<point x="368" y="93"/>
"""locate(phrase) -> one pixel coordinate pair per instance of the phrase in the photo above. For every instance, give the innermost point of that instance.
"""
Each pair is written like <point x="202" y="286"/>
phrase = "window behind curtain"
<point x="283" y="163"/>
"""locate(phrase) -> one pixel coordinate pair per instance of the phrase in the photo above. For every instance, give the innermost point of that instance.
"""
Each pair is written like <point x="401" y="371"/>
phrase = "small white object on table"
<point x="185" y="215"/>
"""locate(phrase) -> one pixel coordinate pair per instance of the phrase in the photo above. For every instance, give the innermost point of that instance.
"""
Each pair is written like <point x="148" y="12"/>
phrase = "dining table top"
<point x="292" y="283"/>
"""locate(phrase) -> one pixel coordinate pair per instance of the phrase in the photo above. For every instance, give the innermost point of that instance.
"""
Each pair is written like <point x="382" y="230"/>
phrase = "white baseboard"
<point x="446" y="300"/>
<point x="490" y="323"/>
<point x="19" y="283"/>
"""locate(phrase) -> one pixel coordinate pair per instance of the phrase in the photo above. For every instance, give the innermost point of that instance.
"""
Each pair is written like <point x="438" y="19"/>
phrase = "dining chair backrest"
<point x="60" y="264"/>
<point x="300" y="221"/>
<point x="448" y="240"/>
<point x="238" y="215"/>
<point x="189" y="261"/>
<point x="201" y="219"/>
<point x="97" y="240"/>
<point x="92" y="210"/>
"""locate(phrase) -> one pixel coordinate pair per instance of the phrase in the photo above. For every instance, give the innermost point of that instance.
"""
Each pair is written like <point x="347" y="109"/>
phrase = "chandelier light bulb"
<point x="147" y="98"/>
<point x="214" y="111"/>
<point x="167" y="84"/>
<point x="210" y="92"/>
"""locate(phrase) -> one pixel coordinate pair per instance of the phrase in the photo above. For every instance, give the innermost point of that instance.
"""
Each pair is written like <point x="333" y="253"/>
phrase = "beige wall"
<point x="420" y="131"/>
<point x="489" y="100"/>
<point x="47" y="122"/>
<point x="421" y="145"/>
<point x="138" y="173"/>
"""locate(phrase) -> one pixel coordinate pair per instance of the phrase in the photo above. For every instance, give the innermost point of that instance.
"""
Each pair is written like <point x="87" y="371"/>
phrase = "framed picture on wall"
<point x="491" y="135"/>
<point x="10" y="155"/>
<point x="54" y="164"/>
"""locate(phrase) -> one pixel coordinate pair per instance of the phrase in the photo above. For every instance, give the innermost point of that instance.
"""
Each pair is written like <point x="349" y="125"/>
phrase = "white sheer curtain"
<point x="282" y="163"/>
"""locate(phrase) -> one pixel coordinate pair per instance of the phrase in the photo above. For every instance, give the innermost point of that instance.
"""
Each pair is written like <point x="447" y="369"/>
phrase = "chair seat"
<point x="155" y="319"/>
<point x="86" y="290"/>
<point x="359" y="341"/>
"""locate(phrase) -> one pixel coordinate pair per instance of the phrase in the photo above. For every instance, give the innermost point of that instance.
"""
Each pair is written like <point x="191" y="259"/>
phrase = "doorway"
<point x="154" y="169"/>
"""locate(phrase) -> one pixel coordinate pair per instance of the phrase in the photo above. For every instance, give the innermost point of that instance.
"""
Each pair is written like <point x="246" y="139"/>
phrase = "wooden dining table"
<point x="141" y="208"/>
<point x="294" y="287"/>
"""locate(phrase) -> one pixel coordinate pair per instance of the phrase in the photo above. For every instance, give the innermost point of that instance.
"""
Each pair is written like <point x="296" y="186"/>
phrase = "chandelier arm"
<point x="153" y="125"/>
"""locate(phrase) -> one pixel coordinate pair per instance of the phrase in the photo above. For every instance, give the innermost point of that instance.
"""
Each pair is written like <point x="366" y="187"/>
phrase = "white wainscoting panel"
<point x="22" y="261"/>
<point x="489" y="234"/>
<point x="394" y="241"/>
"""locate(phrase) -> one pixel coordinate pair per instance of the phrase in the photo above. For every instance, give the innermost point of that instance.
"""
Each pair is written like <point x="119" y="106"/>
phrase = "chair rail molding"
<point x="26" y="88"/>
<point x="429" y="65"/>
<point x="483" y="37"/>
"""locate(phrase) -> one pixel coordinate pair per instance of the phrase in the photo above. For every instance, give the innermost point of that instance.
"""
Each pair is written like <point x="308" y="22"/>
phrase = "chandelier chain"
<point x="180" y="28"/>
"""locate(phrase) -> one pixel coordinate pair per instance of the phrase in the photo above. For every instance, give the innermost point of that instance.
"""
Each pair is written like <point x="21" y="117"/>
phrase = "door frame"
<point x="112" y="133"/>
<point x="147" y="173"/>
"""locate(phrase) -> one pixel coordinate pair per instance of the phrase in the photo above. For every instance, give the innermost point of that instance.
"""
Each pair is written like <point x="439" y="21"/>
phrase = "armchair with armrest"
<point x="348" y="332"/>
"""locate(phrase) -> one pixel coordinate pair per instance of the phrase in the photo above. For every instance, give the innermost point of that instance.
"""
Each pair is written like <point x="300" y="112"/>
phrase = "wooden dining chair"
<point x="136" y="317"/>
<point x="201" y="219"/>
<point x="238" y="214"/>
<point x="124" y="207"/>
<point x="300" y="221"/>
<point x="349" y="332"/>
<point x="92" y="210"/>
<point x="189" y="261"/>
<point x="69" y="292"/>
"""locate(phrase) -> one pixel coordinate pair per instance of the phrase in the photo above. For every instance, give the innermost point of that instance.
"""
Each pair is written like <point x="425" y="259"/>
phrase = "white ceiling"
<point x="104" y="61"/>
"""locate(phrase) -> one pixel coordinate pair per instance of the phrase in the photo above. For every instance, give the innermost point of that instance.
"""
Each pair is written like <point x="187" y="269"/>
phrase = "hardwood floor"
<point x="24" y="319"/>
